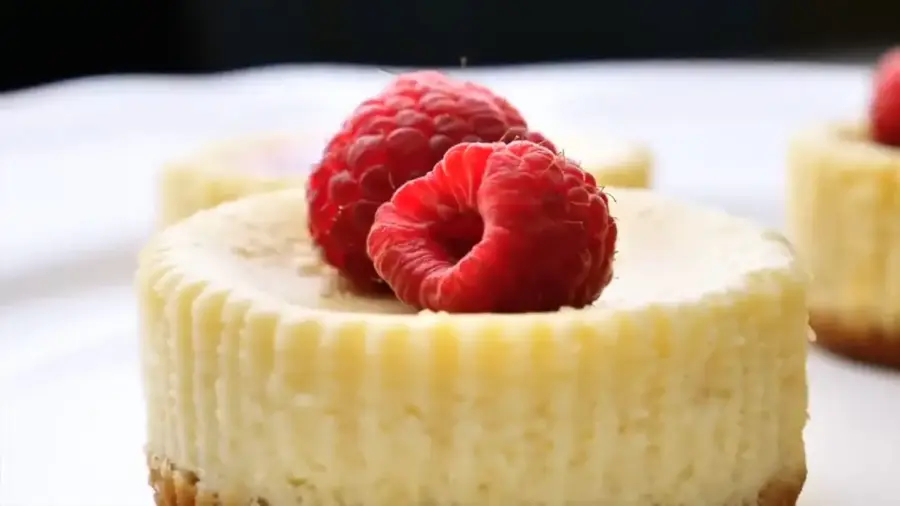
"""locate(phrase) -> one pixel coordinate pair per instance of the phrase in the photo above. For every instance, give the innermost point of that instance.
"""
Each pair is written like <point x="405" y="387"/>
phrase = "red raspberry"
<point x="884" y="112"/>
<point x="421" y="78"/>
<point x="434" y="79"/>
<point x="496" y="228"/>
<point x="390" y="139"/>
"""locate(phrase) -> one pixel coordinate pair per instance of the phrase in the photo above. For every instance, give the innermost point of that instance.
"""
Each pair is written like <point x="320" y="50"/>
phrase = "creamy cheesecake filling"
<point x="685" y="384"/>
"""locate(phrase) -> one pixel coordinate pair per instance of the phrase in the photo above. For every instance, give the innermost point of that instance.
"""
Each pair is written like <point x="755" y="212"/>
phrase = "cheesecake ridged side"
<point x="843" y="203"/>
<point x="663" y="405"/>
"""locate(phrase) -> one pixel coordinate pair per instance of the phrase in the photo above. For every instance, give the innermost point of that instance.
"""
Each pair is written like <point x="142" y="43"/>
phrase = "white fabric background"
<point x="77" y="162"/>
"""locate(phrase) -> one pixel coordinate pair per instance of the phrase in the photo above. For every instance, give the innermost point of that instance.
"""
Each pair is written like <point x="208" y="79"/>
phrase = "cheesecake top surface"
<point x="669" y="253"/>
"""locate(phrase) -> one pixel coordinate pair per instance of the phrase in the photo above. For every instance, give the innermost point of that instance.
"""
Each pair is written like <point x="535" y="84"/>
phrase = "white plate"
<point x="77" y="160"/>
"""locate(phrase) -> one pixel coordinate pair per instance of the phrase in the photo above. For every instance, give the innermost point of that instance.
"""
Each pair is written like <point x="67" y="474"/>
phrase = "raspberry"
<point x="390" y="139"/>
<point x="421" y="78"/>
<point x="884" y="112"/>
<point x="434" y="79"/>
<point x="496" y="228"/>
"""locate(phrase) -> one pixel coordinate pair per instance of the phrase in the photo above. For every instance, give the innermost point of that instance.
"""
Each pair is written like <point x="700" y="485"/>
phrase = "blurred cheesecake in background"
<point x="843" y="216"/>
<point x="232" y="169"/>
<point x="239" y="167"/>
<point x="612" y="161"/>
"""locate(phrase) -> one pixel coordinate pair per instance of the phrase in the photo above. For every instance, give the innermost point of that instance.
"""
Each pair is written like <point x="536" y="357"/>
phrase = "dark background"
<point x="46" y="40"/>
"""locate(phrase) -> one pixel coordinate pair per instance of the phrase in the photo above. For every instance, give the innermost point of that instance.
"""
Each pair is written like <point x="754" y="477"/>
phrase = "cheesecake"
<point x="233" y="168"/>
<point x="267" y="383"/>
<point x="612" y="161"/>
<point x="239" y="167"/>
<point x="842" y="209"/>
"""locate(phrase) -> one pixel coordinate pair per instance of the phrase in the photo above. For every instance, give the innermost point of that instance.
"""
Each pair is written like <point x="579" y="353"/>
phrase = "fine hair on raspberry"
<point x="504" y="228"/>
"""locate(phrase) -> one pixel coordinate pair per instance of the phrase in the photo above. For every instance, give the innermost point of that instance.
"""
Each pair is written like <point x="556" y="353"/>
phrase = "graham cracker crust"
<point x="864" y="343"/>
<point x="175" y="487"/>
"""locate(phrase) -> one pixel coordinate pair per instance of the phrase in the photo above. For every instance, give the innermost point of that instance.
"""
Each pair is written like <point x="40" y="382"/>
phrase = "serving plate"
<point x="77" y="165"/>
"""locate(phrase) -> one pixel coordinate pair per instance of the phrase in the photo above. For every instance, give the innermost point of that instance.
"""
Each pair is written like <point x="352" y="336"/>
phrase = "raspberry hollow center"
<point x="458" y="234"/>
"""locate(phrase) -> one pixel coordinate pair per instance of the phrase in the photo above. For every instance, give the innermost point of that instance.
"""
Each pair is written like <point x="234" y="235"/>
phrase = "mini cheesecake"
<point x="267" y="383"/>
<point x="267" y="162"/>
<point x="612" y="162"/>
<point x="232" y="169"/>
<point x="843" y="217"/>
